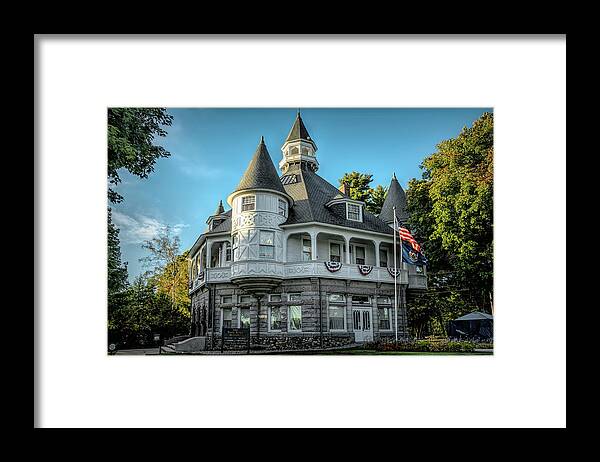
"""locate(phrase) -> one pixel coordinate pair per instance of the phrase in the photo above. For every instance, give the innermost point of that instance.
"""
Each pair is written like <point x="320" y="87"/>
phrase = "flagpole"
<point x="395" y="278"/>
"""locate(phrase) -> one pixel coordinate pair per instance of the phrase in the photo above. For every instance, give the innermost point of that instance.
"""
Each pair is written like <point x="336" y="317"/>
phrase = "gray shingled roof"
<point x="224" y="226"/>
<point x="261" y="173"/>
<point x="299" y="131"/>
<point x="395" y="197"/>
<point x="310" y="195"/>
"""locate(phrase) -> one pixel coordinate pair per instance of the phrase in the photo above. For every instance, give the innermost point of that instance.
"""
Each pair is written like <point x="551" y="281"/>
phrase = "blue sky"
<point x="210" y="149"/>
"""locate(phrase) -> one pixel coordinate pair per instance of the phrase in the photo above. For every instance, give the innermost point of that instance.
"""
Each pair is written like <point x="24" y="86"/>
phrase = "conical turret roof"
<point x="396" y="197"/>
<point x="261" y="173"/>
<point x="299" y="131"/>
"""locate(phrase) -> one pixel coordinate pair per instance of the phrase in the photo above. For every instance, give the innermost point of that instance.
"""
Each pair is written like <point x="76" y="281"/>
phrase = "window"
<point x="294" y="297"/>
<point x="384" y="309"/>
<point x="226" y="299"/>
<point x="336" y="312"/>
<point x="359" y="257"/>
<point x="353" y="212"/>
<point x="236" y="241"/>
<point x="275" y="318"/>
<point x="419" y="269"/>
<point x="275" y="298"/>
<point x="227" y="251"/>
<point x="306" y="250"/>
<point x="294" y="318"/>
<point x="245" y="318"/>
<point x="226" y="317"/>
<point x="360" y="300"/>
<point x="282" y="207"/>
<point x="335" y="252"/>
<point x="248" y="203"/>
<point x="266" y="248"/>
<point x="383" y="261"/>
<point x="245" y="299"/>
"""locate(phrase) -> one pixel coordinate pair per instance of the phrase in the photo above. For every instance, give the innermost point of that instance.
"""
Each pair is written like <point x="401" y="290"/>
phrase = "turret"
<point x="259" y="205"/>
<point x="299" y="148"/>
<point x="396" y="197"/>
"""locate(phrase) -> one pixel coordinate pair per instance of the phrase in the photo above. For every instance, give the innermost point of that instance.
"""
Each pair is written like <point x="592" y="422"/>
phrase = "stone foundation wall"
<point x="290" y="341"/>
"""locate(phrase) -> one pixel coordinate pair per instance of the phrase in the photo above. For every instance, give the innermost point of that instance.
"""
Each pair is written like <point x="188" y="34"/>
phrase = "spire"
<point x="395" y="197"/>
<point x="220" y="208"/>
<point x="299" y="131"/>
<point x="261" y="173"/>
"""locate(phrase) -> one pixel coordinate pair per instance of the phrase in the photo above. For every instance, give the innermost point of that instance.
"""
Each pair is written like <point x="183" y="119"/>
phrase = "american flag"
<point x="405" y="235"/>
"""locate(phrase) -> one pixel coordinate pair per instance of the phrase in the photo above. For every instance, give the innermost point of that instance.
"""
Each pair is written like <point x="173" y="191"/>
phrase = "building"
<point x="297" y="260"/>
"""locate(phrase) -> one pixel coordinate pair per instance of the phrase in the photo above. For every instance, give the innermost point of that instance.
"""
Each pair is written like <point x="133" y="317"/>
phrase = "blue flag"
<point x="412" y="256"/>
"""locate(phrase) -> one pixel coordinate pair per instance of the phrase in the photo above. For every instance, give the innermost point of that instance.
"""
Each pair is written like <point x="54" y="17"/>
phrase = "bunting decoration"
<point x="365" y="269"/>
<point x="333" y="266"/>
<point x="393" y="271"/>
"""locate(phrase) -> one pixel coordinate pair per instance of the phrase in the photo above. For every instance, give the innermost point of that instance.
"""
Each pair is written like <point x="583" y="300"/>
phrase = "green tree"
<point x="168" y="268"/>
<point x="376" y="199"/>
<point x="131" y="136"/>
<point x="359" y="184"/>
<point x="360" y="190"/>
<point x="117" y="271"/>
<point x="451" y="214"/>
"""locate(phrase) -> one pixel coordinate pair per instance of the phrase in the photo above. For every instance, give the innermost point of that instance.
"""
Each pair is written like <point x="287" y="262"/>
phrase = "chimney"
<point x="345" y="189"/>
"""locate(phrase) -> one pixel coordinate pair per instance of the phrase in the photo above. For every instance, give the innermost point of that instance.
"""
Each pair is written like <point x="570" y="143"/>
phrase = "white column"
<point x="313" y="245"/>
<point x="208" y="246"/>
<point x="347" y="249"/>
<point x="377" y="262"/>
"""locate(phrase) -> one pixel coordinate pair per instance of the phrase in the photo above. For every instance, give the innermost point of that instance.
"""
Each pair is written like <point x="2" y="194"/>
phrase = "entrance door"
<point x="361" y="322"/>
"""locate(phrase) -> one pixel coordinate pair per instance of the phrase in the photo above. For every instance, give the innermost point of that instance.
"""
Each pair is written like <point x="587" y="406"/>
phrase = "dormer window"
<point x="353" y="212"/>
<point x="248" y="203"/>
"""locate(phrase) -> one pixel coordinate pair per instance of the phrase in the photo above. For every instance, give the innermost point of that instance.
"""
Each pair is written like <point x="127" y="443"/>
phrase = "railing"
<point x="318" y="268"/>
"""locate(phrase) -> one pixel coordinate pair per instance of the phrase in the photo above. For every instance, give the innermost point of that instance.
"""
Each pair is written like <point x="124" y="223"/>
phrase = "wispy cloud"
<point x="139" y="228"/>
<point x="195" y="169"/>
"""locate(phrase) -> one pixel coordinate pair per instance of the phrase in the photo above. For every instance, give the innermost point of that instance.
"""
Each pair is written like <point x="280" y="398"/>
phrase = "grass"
<point x="362" y="351"/>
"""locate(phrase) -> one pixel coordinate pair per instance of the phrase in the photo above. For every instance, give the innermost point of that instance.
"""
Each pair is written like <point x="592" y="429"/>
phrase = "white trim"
<point x="360" y="212"/>
<point x="348" y="230"/>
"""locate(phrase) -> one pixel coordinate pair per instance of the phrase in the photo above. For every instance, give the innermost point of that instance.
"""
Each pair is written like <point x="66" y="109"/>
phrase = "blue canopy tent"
<point x="475" y="325"/>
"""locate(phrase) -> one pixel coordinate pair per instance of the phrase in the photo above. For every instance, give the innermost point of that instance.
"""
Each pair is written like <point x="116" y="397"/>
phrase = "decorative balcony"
<point x="317" y="268"/>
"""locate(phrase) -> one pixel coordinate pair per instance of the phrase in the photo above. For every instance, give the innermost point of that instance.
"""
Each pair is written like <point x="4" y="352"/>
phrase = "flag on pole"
<point x="411" y="250"/>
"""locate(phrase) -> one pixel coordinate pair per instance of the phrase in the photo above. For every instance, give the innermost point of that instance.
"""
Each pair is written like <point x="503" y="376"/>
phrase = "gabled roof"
<point x="475" y="316"/>
<point x="299" y="131"/>
<point x="261" y="173"/>
<point x="395" y="197"/>
<point x="311" y="193"/>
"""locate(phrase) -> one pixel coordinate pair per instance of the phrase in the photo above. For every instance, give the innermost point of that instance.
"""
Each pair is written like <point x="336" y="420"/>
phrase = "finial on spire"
<point x="395" y="176"/>
<point x="262" y="140"/>
<point x="298" y="112"/>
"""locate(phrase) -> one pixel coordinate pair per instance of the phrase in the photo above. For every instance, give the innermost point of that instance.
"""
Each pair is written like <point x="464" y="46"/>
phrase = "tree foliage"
<point x="117" y="271"/>
<point x="168" y="268"/>
<point x="451" y="215"/>
<point x="131" y="136"/>
<point x="360" y="190"/>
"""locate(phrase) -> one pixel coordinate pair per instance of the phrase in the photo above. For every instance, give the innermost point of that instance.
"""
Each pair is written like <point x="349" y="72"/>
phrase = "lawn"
<point x="362" y="351"/>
